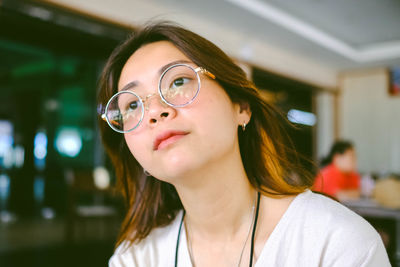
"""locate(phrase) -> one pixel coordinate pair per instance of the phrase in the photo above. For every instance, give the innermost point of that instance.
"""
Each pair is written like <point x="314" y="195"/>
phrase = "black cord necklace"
<point x="253" y="233"/>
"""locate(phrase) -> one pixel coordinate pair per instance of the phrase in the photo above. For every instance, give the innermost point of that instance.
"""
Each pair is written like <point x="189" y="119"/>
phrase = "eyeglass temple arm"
<point x="206" y="72"/>
<point x="101" y="111"/>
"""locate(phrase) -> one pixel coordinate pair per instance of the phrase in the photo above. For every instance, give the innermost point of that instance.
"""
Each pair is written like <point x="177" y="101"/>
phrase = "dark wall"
<point x="287" y="94"/>
<point x="50" y="60"/>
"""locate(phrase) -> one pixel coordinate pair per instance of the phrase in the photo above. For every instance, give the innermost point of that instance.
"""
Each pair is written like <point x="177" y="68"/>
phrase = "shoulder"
<point x="336" y="232"/>
<point x="151" y="251"/>
<point x="326" y="214"/>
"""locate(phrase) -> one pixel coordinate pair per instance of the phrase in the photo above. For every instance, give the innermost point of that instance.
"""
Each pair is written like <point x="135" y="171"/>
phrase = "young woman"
<point x="338" y="177"/>
<point x="203" y="165"/>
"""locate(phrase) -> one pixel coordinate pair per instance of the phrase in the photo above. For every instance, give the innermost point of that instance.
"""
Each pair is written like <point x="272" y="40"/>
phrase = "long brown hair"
<point x="270" y="163"/>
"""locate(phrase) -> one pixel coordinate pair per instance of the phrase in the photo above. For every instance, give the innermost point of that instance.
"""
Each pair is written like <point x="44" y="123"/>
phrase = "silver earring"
<point x="146" y="173"/>
<point x="244" y="126"/>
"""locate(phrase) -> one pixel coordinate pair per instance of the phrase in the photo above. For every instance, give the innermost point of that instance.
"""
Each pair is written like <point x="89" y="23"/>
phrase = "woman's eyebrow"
<point x="180" y="61"/>
<point x="129" y="86"/>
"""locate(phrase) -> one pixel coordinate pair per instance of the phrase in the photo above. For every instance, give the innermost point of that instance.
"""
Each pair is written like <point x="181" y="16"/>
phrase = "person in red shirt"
<point x="339" y="178"/>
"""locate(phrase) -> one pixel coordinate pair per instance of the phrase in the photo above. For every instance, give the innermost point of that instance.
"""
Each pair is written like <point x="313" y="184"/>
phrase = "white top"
<point x="314" y="231"/>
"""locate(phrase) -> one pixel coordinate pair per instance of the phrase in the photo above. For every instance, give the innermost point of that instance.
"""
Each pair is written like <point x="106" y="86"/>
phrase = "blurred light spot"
<point x="301" y="117"/>
<point x="41" y="139"/>
<point x="7" y="217"/>
<point x="69" y="142"/>
<point x="4" y="182"/>
<point x="48" y="213"/>
<point x="6" y="142"/>
<point x="6" y="137"/>
<point x="40" y="13"/>
<point x="19" y="154"/>
<point x="101" y="178"/>
<point x="38" y="188"/>
<point x="4" y="190"/>
<point x="40" y="150"/>
<point x="51" y="105"/>
<point x="8" y="159"/>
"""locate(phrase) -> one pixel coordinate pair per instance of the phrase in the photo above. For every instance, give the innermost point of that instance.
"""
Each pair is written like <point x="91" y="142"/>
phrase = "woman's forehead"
<point x="146" y="62"/>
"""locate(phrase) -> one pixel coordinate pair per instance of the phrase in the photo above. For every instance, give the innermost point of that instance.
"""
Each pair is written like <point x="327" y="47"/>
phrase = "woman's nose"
<point x="157" y="109"/>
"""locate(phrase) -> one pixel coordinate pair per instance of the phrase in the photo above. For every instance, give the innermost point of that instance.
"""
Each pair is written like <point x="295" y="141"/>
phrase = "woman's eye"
<point x="133" y="105"/>
<point x="179" y="82"/>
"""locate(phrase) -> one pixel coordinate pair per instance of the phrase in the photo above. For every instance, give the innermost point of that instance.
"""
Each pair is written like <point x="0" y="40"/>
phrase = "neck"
<point x="218" y="200"/>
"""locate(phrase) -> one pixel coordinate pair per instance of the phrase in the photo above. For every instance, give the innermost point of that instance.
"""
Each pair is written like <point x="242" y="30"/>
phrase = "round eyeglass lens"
<point x="179" y="85"/>
<point x="124" y="111"/>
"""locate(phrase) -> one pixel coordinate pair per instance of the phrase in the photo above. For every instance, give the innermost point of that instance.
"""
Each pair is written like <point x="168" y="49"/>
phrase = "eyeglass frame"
<point x="198" y="70"/>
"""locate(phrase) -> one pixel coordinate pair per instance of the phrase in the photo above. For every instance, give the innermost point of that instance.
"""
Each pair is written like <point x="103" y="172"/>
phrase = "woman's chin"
<point x="172" y="176"/>
<point x="175" y="173"/>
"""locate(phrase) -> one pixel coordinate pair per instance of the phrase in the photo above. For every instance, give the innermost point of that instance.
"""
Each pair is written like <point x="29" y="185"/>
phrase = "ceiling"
<point x="312" y="40"/>
<point x="343" y="33"/>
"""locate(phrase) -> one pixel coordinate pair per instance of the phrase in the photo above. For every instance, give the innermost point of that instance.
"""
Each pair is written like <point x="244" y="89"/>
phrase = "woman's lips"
<point x="167" y="138"/>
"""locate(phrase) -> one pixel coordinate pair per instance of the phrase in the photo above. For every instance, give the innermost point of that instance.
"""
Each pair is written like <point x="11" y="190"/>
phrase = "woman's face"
<point x="346" y="162"/>
<point x="176" y="142"/>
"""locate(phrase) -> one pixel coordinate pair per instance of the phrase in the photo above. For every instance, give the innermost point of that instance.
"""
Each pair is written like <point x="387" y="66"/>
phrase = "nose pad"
<point x="159" y="110"/>
<point x="148" y="101"/>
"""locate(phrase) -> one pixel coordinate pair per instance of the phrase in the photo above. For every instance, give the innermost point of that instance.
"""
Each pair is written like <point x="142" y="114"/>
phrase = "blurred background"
<point x="333" y="67"/>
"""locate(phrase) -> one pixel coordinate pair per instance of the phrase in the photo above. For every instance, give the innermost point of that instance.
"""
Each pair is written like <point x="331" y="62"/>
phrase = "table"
<point x="369" y="208"/>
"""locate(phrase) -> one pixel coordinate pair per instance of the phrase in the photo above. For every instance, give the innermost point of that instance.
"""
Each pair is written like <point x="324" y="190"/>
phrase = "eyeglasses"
<point x="178" y="86"/>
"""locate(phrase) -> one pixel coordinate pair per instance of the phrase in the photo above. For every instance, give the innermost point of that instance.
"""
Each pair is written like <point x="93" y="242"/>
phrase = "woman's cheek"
<point x="137" y="149"/>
